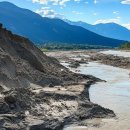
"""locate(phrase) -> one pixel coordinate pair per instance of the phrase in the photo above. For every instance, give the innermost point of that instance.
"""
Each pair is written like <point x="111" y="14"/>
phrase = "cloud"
<point x="114" y="20"/>
<point x="118" y="17"/>
<point x="111" y="1"/>
<point x="54" y="2"/>
<point x="125" y="2"/>
<point x="116" y="12"/>
<point x="47" y="12"/>
<point x="126" y="25"/>
<point x="77" y="13"/>
<point x="40" y="1"/>
<point x="78" y="1"/>
<point x="63" y="2"/>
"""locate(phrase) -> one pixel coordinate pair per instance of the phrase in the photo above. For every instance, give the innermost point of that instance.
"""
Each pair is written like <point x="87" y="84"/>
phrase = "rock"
<point x="10" y="99"/>
<point x="4" y="108"/>
<point x="48" y="125"/>
<point x="74" y="64"/>
<point x="83" y="61"/>
<point x="39" y="127"/>
<point x="101" y="112"/>
<point x="59" y="89"/>
<point x="50" y="85"/>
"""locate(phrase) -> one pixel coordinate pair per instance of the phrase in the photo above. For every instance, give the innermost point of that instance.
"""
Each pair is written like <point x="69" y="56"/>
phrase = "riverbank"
<point x="113" y="94"/>
<point x="114" y="58"/>
<point x="117" y="82"/>
<point x="38" y="108"/>
<point x="70" y="105"/>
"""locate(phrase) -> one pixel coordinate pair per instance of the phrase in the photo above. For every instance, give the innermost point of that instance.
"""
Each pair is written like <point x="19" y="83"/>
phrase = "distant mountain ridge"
<point x="111" y="30"/>
<point x="40" y="30"/>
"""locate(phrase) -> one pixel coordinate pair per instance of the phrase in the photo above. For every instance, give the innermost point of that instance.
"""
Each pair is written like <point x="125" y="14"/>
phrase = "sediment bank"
<point x="37" y="92"/>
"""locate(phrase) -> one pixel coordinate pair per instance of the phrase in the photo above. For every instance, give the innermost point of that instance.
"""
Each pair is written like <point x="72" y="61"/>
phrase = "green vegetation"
<point x="125" y="46"/>
<point x="65" y="46"/>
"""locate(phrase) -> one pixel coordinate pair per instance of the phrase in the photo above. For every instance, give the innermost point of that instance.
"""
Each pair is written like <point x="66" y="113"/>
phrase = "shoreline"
<point x="113" y="94"/>
<point x="103" y="112"/>
<point x="109" y="59"/>
<point x="76" y="57"/>
<point x="86" y="110"/>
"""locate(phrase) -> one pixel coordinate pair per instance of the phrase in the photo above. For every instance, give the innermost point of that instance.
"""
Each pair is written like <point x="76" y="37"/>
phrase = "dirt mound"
<point x="21" y="63"/>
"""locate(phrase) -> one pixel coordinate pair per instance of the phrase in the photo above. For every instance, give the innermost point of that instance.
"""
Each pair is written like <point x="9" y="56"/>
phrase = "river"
<point x="113" y="94"/>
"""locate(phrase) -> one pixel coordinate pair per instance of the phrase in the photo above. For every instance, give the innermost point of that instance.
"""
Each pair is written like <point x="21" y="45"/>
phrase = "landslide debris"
<point x="37" y="92"/>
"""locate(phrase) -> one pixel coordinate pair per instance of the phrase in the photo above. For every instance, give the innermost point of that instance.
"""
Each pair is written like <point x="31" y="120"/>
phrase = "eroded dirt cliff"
<point x="37" y="92"/>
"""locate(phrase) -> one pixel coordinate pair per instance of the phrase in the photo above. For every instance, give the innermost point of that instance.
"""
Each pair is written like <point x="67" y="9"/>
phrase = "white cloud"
<point x="47" y="12"/>
<point x="54" y="2"/>
<point x="111" y="1"/>
<point x="63" y="2"/>
<point x="40" y="1"/>
<point x="125" y="1"/>
<point x="116" y="12"/>
<point x="118" y="17"/>
<point x="126" y="25"/>
<point x="76" y="12"/>
<point x="114" y="20"/>
<point x="78" y="1"/>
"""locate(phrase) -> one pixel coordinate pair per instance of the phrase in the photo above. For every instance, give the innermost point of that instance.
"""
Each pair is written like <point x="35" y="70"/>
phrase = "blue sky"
<point x="90" y="11"/>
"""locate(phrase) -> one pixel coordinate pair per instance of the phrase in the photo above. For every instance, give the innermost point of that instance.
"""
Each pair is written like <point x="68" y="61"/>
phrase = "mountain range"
<point x="41" y="29"/>
<point x="111" y="30"/>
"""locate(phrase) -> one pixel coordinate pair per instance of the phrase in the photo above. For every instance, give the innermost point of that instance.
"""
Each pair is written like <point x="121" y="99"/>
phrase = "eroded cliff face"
<point x="21" y="63"/>
<point x="36" y="92"/>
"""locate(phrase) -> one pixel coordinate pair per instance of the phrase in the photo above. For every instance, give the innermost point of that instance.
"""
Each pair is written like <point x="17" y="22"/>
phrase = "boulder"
<point x="10" y="99"/>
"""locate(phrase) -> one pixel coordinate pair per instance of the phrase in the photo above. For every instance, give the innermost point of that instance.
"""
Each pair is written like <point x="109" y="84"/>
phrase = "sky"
<point x="89" y="11"/>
